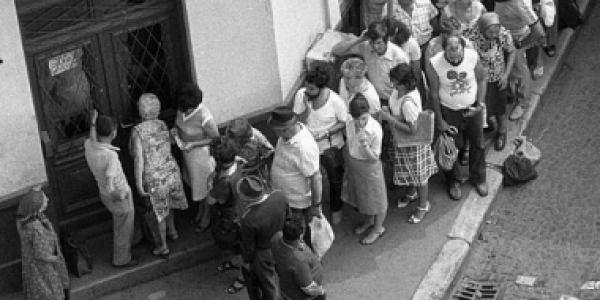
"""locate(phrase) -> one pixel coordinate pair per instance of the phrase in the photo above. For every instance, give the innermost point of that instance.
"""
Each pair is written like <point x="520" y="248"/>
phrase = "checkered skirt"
<point x="413" y="165"/>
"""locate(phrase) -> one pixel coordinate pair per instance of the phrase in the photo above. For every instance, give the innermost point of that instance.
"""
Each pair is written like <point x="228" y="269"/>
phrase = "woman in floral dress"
<point x="156" y="171"/>
<point x="413" y="165"/>
<point x="45" y="275"/>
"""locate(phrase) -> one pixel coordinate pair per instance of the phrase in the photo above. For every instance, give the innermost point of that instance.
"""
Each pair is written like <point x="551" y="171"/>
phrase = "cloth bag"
<point x="322" y="235"/>
<point x="528" y="150"/>
<point x="518" y="169"/>
<point x="445" y="152"/>
<point x="77" y="255"/>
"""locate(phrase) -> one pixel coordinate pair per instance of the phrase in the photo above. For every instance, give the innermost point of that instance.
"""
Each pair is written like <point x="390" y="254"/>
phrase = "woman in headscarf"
<point x="493" y="43"/>
<point x="157" y="174"/>
<point x="194" y="131"/>
<point x="354" y="82"/>
<point x="45" y="275"/>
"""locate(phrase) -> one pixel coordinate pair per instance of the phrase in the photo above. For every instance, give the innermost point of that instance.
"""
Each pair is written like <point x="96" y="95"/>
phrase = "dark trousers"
<point x="266" y="283"/>
<point x="470" y="130"/>
<point x="332" y="163"/>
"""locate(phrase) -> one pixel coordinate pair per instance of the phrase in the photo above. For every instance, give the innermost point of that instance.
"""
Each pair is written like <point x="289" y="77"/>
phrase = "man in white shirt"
<point x="458" y="88"/>
<point x="325" y="114"/>
<point x="295" y="169"/>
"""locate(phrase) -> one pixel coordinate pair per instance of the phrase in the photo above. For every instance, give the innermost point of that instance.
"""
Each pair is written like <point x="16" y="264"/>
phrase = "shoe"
<point x="236" y="286"/>
<point x="408" y="198"/>
<point x="132" y="263"/>
<point x="372" y="237"/>
<point x="173" y="236"/>
<point x="226" y="266"/>
<point x="336" y="217"/>
<point x="164" y="254"/>
<point x="455" y="191"/>
<point x="550" y="50"/>
<point x="517" y="112"/>
<point x="482" y="189"/>
<point x="500" y="141"/>
<point x="416" y="220"/>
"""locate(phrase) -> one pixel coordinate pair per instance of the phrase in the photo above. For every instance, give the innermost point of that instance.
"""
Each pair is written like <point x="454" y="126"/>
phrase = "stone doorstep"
<point x="439" y="277"/>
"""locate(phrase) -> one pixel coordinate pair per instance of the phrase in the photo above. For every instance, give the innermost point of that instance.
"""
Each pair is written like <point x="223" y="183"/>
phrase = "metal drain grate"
<point x="476" y="290"/>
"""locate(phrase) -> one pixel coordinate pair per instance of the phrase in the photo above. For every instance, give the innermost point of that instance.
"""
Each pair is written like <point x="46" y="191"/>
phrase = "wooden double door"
<point x="96" y="54"/>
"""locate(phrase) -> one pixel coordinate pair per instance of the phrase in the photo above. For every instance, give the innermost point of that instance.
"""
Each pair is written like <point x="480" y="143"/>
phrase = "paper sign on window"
<point x="62" y="62"/>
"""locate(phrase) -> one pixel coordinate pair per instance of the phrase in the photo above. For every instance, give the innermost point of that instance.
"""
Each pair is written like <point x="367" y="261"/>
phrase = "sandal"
<point x="362" y="229"/>
<point x="408" y="198"/>
<point x="372" y="237"/>
<point x="164" y="254"/>
<point x="424" y="210"/>
<point x="236" y="286"/>
<point x="226" y="266"/>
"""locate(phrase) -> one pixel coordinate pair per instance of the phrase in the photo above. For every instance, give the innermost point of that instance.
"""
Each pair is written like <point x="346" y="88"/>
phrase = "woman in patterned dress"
<point x="413" y="165"/>
<point x="194" y="131"/>
<point x="45" y="275"/>
<point x="156" y="171"/>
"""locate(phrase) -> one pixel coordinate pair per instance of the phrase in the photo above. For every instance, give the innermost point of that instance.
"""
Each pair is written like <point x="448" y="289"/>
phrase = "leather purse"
<point x="423" y="135"/>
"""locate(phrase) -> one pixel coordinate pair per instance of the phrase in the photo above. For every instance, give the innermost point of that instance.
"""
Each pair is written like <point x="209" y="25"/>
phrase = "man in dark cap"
<point x="263" y="216"/>
<point x="295" y="170"/>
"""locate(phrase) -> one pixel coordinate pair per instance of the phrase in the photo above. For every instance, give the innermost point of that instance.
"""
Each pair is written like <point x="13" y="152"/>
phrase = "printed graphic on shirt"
<point x="459" y="83"/>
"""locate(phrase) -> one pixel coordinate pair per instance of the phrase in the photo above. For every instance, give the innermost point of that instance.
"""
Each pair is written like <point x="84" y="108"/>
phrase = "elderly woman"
<point x="193" y="132"/>
<point x="462" y="15"/>
<point x="252" y="146"/>
<point x="157" y="174"/>
<point x="354" y="82"/>
<point x="45" y="274"/>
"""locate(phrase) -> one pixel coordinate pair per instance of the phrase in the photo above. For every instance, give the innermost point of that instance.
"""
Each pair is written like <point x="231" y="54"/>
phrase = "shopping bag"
<point x="321" y="235"/>
<point x="527" y="149"/>
<point x="445" y="151"/>
<point x="77" y="255"/>
<point x="423" y="136"/>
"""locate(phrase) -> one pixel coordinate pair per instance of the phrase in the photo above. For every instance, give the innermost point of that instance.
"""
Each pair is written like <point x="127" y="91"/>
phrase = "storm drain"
<point x="474" y="290"/>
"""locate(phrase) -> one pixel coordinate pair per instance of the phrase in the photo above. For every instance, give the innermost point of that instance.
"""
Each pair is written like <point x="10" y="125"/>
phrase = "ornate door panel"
<point x="102" y="54"/>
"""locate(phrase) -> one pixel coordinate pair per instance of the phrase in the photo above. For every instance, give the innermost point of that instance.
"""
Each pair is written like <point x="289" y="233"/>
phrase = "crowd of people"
<point x="462" y="59"/>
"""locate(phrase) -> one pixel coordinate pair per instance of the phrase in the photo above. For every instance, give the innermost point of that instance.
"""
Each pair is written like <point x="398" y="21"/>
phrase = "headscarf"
<point x="353" y="66"/>
<point x="488" y="19"/>
<point x="31" y="204"/>
<point x="149" y="106"/>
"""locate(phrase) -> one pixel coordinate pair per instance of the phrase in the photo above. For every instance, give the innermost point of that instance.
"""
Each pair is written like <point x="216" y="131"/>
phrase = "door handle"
<point x="46" y="144"/>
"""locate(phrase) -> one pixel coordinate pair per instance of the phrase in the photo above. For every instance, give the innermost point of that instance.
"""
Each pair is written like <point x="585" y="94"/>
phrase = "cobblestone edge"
<point x="439" y="277"/>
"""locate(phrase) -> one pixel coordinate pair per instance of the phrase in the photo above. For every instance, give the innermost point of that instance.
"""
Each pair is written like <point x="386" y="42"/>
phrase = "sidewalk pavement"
<point x="392" y="268"/>
<point x="464" y="234"/>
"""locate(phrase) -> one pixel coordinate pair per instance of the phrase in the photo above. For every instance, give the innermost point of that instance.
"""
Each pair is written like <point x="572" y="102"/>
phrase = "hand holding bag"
<point x="322" y="235"/>
<point x="445" y="151"/>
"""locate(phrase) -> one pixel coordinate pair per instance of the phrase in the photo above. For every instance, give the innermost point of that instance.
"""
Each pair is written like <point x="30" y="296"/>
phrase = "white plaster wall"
<point x="296" y="24"/>
<point x="234" y="55"/>
<point x="21" y="159"/>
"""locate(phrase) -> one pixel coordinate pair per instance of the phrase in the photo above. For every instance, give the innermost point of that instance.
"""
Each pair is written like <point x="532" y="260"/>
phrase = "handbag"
<point x="423" y="134"/>
<point x="77" y="255"/>
<point x="151" y="221"/>
<point x="445" y="151"/>
<point x="321" y="235"/>
<point x="526" y="149"/>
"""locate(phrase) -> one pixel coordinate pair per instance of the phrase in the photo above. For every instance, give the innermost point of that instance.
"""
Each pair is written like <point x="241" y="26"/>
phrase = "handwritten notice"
<point x="62" y="63"/>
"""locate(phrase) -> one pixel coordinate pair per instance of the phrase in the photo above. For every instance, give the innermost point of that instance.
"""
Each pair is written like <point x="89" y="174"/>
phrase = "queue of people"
<point x="258" y="199"/>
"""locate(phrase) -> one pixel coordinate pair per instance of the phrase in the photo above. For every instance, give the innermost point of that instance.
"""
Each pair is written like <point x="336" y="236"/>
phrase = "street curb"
<point x="441" y="274"/>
